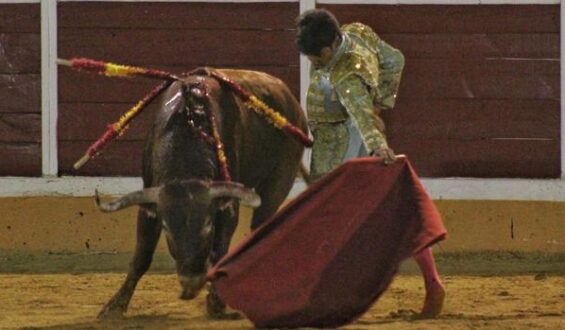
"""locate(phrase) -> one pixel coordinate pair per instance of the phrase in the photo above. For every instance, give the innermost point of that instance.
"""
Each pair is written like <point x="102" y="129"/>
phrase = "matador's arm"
<point x="357" y="100"/>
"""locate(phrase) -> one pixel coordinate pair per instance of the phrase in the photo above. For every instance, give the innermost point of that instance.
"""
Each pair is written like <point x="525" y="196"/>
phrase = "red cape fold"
<point x="326" y="257"/>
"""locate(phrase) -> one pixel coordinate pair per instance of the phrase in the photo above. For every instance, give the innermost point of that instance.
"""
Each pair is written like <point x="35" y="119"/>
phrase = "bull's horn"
<point x="231" y="189"/>
<point x="147" y="195"/>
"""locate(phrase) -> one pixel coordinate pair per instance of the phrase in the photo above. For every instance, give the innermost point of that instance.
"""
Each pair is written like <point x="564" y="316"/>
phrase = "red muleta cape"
<point x="326" y="257"/>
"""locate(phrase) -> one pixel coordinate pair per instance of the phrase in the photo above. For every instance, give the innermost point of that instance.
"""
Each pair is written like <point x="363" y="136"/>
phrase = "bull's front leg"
<point x="148" y="232"/>
<point x="225" y="226"/>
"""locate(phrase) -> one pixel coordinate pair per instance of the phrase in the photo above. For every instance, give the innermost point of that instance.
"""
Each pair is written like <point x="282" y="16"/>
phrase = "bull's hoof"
<point x="107" y="314"/>
<point x="112" y="310"/>
<point x="215" y="307"/>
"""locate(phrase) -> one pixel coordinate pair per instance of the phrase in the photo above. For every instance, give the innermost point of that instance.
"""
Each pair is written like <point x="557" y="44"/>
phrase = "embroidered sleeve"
<point x="354" y="95"/>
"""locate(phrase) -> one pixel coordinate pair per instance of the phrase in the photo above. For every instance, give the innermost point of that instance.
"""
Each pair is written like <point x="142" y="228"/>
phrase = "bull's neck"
<point x="180" y="154"/>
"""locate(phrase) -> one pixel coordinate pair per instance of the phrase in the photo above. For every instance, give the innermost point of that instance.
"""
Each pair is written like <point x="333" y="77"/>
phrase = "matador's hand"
<point x="386" y="153"/>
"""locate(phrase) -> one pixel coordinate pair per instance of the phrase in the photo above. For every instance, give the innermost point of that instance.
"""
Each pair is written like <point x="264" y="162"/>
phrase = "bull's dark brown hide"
<point x="259" y="156"/>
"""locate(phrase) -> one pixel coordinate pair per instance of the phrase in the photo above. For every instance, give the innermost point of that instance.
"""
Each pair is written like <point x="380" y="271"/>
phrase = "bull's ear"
<point x="145" y="196"/>
<point x="247" y="196"/>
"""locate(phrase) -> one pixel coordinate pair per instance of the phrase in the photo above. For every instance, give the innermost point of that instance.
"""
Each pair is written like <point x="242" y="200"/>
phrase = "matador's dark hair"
<point x="316" y="29"/>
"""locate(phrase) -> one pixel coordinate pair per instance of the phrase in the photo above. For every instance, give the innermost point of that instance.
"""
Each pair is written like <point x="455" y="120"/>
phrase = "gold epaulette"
<point x="354" y="63"/>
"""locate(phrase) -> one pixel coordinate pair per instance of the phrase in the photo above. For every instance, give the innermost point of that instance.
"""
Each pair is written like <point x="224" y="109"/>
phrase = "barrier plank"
<point x="451" y="18"/>
<point x="276" y="15"/>
<point x="25" y="159"/>
<point x="20" y="17"/>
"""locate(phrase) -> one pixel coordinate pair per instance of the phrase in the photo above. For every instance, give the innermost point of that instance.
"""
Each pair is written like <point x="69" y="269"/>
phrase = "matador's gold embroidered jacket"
<point x="361" y="79"/>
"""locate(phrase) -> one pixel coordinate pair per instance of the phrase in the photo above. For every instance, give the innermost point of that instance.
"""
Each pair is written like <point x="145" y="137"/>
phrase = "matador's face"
<point x="325" y="57"/>
<point x="326" y="54"/>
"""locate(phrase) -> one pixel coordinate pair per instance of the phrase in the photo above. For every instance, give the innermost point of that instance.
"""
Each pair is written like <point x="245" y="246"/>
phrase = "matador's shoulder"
<point x="362" y="34"/>
<point x="378" y="64"/>
<point x="356" y="63"/>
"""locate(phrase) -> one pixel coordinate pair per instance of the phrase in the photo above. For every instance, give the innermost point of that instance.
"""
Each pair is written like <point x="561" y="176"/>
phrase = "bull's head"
<point x="185" y="209"/>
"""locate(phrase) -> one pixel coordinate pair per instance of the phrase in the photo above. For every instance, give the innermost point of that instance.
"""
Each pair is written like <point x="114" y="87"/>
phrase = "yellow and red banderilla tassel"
<point x="261" y="108"/>
<point x="124" y="71"/>
<point x="278" y="120"/>
<point x="219" y="145"/>
<point x="115" y="70"/>
<point x="117" y="128"/>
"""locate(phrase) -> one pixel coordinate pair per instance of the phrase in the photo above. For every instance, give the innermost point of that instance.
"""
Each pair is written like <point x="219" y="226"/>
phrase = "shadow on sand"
<point x="157" y="321"/>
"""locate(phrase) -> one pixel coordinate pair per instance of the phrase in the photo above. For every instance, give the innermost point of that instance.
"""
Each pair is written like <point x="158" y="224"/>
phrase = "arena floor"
<point x="72" y="301"/>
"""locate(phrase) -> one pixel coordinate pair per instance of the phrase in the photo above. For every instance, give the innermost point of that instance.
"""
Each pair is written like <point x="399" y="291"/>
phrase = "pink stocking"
<point x="425" y="260"/>
<point x="435" y="292"/>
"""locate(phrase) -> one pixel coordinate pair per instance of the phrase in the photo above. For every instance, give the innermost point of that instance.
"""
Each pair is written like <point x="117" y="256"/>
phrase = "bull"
<point x="182" y="192"/>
